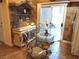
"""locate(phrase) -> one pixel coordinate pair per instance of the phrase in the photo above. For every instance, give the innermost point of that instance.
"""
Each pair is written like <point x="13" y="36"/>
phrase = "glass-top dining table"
<point x="45" y="38"/>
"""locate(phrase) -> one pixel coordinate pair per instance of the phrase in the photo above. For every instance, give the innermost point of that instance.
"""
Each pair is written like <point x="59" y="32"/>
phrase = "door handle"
<point x="61" y="24"/>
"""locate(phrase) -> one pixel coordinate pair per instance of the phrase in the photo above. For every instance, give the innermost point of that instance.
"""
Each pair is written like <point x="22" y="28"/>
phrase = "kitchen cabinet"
<point x="16" y="1"/>
<point x="74" y="0"/>
<point x="24" y="35"/>
<point x="75" y="37"/>
<point x="5" y="23"/>
<point x="5" y="28"/>
<point x="68" y="0"/>
<point x="69" y="23"/>
<point x="1" y="28"/>
<point x="20" y="16"/>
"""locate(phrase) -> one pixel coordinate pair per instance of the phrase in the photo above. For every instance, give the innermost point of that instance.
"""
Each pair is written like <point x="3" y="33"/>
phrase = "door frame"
<point x="39" y="5"/>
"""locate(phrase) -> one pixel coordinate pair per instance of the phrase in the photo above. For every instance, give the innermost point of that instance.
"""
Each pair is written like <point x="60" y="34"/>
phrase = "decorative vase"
<point x="46" y="32"/>
<point x="46" y="28"/>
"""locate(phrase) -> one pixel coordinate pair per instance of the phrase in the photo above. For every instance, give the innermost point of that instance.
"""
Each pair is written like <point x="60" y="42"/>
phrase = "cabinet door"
<point x="74" y="0"/>
<point x="1" y="32"/>
<point x="16" y="1"/>
<point x="10" y="1"/>
<point x="1" y="28"/>
<point x="75" y="37"/>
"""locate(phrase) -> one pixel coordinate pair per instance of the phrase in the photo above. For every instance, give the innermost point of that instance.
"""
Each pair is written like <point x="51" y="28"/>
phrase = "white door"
<point x="58" y="21"/>
<point x="55" y="15"/>
<point x="45" y="15"/>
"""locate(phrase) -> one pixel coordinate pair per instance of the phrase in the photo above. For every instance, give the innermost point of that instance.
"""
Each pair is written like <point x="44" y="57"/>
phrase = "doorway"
<point x="57" y="21"/>
<point x="54" y="14"/>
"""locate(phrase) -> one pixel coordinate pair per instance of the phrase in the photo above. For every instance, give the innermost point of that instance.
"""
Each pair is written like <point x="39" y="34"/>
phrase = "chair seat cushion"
<point x="38" y="52"/>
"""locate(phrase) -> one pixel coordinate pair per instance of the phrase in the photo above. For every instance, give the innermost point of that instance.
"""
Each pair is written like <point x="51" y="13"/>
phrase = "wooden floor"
<point x="7" y="52"/>
<point x="59" y="50"/>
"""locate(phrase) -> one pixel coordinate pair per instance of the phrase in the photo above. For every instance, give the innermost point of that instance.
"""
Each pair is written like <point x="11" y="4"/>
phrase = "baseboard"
<point x="65" y="41"/>
<point x="75" y="53"/>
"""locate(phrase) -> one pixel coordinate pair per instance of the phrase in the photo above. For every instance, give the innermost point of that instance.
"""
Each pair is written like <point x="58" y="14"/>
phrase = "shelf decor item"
<point x="46" y="28"/>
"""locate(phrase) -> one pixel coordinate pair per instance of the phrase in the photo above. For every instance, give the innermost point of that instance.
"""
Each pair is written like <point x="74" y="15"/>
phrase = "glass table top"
<point x="42" y="37"/>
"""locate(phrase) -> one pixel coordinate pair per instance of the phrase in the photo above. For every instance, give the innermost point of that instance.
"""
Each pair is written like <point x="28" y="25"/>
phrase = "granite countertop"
<point x="24" y="28"/>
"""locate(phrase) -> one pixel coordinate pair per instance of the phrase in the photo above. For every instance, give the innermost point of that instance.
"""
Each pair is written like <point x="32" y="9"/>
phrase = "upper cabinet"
<point x="66" y="0"/>
<point x="16" y="1"/>
<point x="74" y="0"/>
